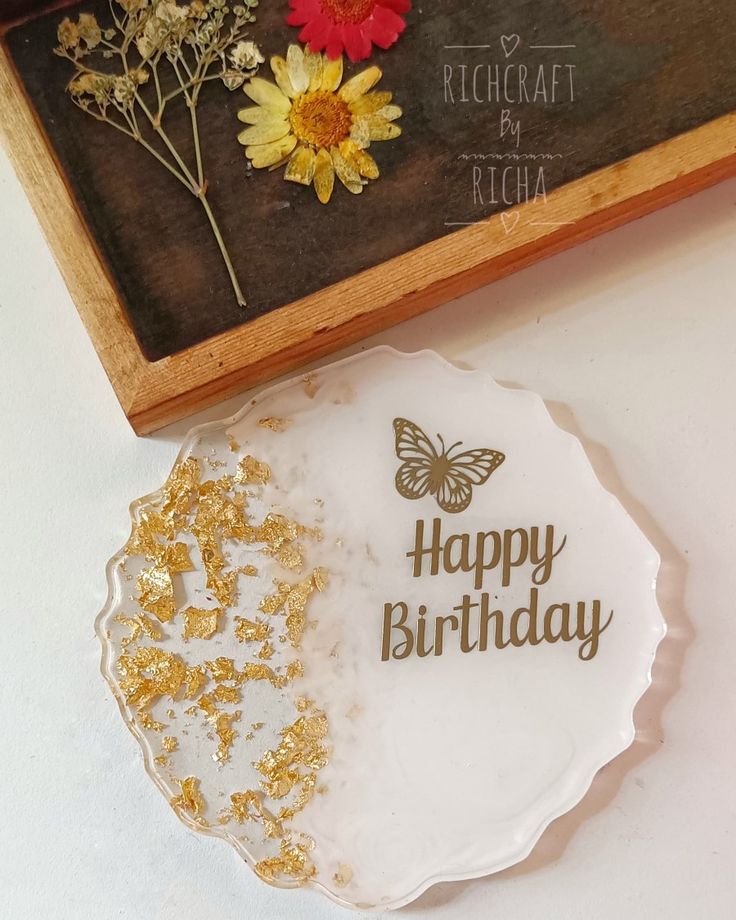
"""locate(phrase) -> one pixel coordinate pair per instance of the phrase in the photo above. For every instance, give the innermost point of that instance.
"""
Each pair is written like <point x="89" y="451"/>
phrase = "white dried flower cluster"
<point x="195" y="43"/>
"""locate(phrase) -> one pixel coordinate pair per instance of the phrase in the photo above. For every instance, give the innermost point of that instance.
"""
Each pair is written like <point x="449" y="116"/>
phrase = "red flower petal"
<point x="389" y="20"/>
<point x="353" y="39"/>
<point x="303" y="11"/>
<point x="384" y="32"/>
<point x="335" y="42"/>
<point x="316" y="32"/>
<point x="381" y="27"/>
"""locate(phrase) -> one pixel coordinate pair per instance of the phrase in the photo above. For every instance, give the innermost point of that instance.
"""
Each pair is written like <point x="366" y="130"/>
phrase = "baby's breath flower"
<point x="124" y="90"/>
<point x="132" y="6"/>
<point x="85" y="83"/>
<point x="167" y="11"/>
<point x="246" y="56"/>
<point x="201" y="40"/>
<point x="88" y="30"/>
<point x="68" y="34"/>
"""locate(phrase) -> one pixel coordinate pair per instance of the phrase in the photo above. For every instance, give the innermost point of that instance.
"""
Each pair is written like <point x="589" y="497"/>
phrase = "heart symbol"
<point x="510" y="43"/>
<point x="510" y="219"/>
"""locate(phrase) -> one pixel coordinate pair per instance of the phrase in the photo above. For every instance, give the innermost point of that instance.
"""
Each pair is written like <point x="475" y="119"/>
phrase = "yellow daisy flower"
<point x="315" y="125"/>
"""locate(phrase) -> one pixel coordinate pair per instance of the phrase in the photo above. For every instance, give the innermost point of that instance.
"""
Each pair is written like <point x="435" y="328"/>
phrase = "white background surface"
<point x="631" y="339"/>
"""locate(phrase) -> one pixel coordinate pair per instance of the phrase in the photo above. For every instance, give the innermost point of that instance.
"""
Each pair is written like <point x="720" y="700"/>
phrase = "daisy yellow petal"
<point x="324" y="176"/>
<point x="266" y="94"/>
<point x="257" y="113"/>
<point x="381" y="130"/>
<point x="349" y="177"/>
<point x="295" y="64"/>
<point x="313" y="67"/>
<point x="359" y="84"/>
<point x="265" y="132"/>
<point x="370" y="102"/>
<point x="331" y="74"/>
<point x="281" y="75"/>
<point x="262" y="155"/>
<point x="360" y="160"/>
<point x="389" y="112"/>
<point x="301" y="166"/>
<point x="360" y="133"/>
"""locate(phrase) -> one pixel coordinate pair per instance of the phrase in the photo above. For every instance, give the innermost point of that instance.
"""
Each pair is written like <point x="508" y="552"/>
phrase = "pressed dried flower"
<point x="350" y="26"/>
<point x="195" y="42"/>
<point x="320" y="128"/>
<point x="246" y="56"/>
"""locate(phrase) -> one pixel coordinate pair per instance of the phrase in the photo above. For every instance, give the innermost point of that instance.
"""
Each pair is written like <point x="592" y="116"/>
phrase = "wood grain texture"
<point x="363" y="300"/>
<point x="644" y="72"/>
<point x="74" y="250"/>
<point x="432" y="274"/>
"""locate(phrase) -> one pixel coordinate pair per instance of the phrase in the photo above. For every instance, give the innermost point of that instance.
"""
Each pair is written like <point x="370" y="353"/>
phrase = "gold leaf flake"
<point x="180" y="489"/>
<point x="222" y="669"/>
<point x="225" y="694"/>
<point x="293" y="862"/>
<point x="190" y="799"/>
<point x="176" y="558"/>
<point x="226" y="733"/>
<point x="139" y="625"/>
<point x="294" y="669"/>
<point x="149" y="674"/>
<point x="157" y="592"/>
<point x="275" y="424"/>
<point x="194" y="678"/>
<point x="200" y="624"/>
<point x="343" y="876"/>
<point x="265" y="653"/>
<point x="251" y="631"/>
<point x="146" y="720"/>
<point x="169" y="743"/>
<point x="252" y="472"/>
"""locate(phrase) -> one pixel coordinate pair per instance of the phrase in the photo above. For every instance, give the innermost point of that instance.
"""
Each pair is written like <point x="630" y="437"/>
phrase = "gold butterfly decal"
<point x="449" y="477"/>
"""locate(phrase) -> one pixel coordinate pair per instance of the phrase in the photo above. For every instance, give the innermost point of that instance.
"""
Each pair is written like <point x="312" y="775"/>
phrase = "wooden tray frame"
<point x="153" y="394"/>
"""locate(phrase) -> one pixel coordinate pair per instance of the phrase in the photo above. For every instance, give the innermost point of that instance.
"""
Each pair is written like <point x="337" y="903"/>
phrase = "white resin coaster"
<point x="380" y="628"/>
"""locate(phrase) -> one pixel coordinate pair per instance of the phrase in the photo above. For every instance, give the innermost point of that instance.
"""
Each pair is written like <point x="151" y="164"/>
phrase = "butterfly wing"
<point x="467" y="469"/>
<point x="412" y="443"/>
<point x="413" y="478"/>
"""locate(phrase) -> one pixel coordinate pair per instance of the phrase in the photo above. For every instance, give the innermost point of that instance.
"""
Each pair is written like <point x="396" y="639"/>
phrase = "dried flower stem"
<point x="200" y="41"/>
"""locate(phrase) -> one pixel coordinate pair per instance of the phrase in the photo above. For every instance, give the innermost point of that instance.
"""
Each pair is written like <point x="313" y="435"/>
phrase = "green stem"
<point x="223" y="250"/>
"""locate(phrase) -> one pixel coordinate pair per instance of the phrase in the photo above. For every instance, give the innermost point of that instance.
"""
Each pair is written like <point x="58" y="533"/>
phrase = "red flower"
<point x="352" y="26"/>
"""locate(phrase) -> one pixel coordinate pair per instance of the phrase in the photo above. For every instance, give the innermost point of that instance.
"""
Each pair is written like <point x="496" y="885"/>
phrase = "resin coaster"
<point x="380" y="628"/>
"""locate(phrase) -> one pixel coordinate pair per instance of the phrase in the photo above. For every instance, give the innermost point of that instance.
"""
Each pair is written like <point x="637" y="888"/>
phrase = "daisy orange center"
<point x="321" y="119"/>
<point x="348" y="10"/>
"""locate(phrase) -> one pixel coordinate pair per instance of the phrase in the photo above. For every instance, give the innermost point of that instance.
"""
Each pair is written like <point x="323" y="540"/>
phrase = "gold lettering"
<point x="520" y="555"/>
<point x="462" y="562"/>
<point x="483" y="564"/>
<point x="439" y="626"/>
<point x="422" y="650"/>
<point x="589" y="646"/>
<point x="530" y="637"/>
<point x="563" y="632"/>
<point x="399" y="650"/>
<point x="485" y="619"/>
<point x="543" y="563"/>
<point x="419" y="551"/>
<point x="464" y="609"/>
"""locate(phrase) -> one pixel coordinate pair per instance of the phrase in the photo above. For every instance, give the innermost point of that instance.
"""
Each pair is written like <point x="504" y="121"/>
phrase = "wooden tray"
<point x="652" y="119"/>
